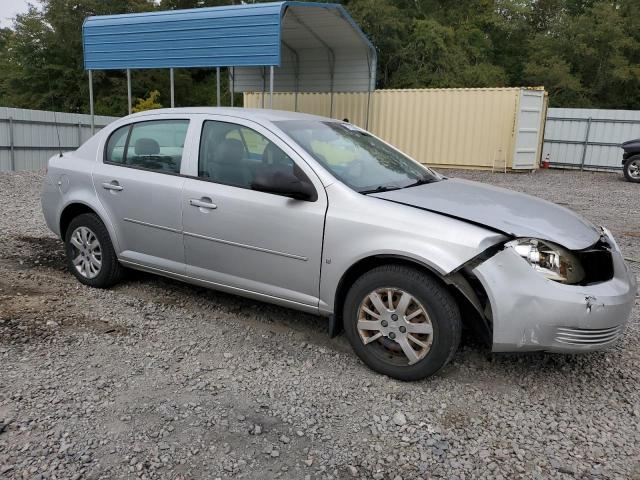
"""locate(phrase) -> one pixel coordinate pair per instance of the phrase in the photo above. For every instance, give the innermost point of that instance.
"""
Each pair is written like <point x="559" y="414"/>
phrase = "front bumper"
<point x="532" y="313"/>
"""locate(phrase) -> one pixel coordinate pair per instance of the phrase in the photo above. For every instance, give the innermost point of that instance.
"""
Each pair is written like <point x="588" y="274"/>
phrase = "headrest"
<point x="272" y="155"/>
<point x="146" y="146"/>
<point x="229" y="151"/>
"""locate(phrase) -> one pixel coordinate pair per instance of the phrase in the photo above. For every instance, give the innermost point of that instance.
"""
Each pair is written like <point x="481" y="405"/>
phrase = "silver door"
<point x="248" y="240"/>
<point x="140" y="187"/>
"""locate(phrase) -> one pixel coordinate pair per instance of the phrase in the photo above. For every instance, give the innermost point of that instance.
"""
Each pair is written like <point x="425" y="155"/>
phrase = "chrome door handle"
<point x="202" y="204"/>
<point x="112" y="186"/>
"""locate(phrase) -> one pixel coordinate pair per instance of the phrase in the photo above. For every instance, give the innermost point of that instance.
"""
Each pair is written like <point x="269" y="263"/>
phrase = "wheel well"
<point x="69" y="213"/>
<point x="470" y="316"/>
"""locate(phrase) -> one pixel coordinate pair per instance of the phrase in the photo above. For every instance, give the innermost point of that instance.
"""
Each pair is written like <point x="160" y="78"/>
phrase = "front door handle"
<point x="112" y="186"/>
<point x="203" y="203"/>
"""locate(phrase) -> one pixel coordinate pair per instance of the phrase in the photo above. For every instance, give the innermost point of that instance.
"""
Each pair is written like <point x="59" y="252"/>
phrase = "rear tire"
<point x="632" y="169"/>
<point x="416" y="337"/>
<point x="90" y="254"/>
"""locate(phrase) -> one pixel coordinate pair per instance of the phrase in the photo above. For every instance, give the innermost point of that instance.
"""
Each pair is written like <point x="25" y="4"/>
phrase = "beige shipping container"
<point x="481" y="128"/>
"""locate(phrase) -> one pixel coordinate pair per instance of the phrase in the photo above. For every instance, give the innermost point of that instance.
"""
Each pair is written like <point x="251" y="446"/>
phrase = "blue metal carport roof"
<point x="324" y="48"/>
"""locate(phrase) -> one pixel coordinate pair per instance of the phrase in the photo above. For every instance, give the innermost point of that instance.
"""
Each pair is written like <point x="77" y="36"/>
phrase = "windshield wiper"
<point x="378" y="189"/>
<point x="422" y="181"/>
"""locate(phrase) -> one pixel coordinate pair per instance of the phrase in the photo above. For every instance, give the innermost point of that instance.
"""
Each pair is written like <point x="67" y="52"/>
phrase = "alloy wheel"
<point x="634" y="169"/>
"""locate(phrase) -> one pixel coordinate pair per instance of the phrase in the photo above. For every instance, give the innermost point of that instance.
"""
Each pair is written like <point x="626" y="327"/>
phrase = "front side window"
<point x="235" y="155"/>
<point x="154" y="145"/>
<point x="356" y="157"/>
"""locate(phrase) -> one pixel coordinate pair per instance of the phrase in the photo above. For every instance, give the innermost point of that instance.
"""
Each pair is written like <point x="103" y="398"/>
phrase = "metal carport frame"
<point x="324" y="48"/>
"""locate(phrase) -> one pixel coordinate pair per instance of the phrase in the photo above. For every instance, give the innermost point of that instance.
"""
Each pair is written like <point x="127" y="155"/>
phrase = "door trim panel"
<point x="152" y="225"/>
<point x="249" y="247"/>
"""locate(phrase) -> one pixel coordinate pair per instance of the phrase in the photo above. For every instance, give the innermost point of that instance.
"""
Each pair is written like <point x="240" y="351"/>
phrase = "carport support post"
<point x="129" y="90"/>
<point x="332" y="60"/>
<point x="218" y="85"/>
<point x="372" y="85"/>
<point x="93" y="120"/>
<point x="586" y="144"/>
<point x="271" y="86"/>
<point x="11" y="145"/>
<point x="172" y="88"/>
<point x="366" y="120"/>
<point x="231" y="84"/>
<point x="263" y="86"/>
<point x="296" y="72"/>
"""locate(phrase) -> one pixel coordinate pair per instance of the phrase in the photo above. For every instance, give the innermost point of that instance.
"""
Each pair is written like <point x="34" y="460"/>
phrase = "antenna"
<point x="55" y="119"/>
<point x="55" y="122"/>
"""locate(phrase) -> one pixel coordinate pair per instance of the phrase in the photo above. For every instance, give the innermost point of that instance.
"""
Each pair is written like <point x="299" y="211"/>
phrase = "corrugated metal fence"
<point x="448" y="127"/>
<point x="28" y="138"/>
<point x="452" y="127"/>
<point x="588" y="138"/>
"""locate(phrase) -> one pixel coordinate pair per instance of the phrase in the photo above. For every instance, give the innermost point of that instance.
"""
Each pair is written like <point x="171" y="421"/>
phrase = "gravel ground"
<point x="156" y="379"/>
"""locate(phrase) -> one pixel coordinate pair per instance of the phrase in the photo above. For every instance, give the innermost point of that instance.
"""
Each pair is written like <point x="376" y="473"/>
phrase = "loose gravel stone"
<point x="155" y="379"/>
<point x="399" y="419"/>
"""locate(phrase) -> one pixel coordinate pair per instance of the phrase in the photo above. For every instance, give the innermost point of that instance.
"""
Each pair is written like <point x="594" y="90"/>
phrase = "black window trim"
<point x="239" y="125"/>
<point x="126" y="146"/>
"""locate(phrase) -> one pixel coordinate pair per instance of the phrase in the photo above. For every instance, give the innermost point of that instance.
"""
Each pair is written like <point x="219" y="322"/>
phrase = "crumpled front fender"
<point x="530" y="312"/>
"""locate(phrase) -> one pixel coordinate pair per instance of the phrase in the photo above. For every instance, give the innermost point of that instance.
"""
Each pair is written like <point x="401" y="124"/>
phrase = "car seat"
<point x="227" y="163"/>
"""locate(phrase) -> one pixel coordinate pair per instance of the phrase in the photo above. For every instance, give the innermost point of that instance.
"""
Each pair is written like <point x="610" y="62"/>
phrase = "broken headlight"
<point x="550" y="260"/>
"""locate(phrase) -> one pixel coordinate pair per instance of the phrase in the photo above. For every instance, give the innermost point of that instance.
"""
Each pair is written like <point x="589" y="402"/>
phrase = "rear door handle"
<point x="112" y="186"/>
<point x="202" y="203"/>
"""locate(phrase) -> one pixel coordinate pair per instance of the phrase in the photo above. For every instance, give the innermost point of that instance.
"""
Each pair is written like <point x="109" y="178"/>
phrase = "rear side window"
<point x="155" y="145"/>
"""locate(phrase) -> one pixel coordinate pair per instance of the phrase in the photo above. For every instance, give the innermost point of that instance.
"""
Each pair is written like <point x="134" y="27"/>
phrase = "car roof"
<point x="256" y="114"/>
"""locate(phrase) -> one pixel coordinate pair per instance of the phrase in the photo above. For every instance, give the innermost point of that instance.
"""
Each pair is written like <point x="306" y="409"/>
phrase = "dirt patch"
<point x="41" y="251"/>
<point x="32" y="309"/>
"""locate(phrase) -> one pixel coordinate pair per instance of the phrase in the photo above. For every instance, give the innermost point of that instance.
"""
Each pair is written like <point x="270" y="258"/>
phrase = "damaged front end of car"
<point x="533" y="294"/>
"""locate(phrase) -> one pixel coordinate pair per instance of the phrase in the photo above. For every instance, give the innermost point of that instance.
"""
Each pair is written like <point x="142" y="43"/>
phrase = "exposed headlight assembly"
<point x="550" y="260"/>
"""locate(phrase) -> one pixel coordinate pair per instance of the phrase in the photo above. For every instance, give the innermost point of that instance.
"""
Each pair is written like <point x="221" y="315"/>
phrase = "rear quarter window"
<point x="116" y="144"/>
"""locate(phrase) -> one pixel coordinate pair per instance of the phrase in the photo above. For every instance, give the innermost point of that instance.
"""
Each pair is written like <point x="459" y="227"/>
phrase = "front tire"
<point x="90" y="254"/>
<point x="632" y="169"/>
<point x="402" y="322"/>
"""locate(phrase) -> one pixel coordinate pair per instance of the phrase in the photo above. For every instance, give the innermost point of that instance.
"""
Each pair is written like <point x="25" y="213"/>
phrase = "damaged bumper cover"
<point x="530" y="312"/>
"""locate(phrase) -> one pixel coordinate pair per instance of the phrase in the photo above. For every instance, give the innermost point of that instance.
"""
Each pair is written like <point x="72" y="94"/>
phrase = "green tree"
<point x="386" y="27"/>
<point x="589" y="59"/>
<point x="585" y="52"/>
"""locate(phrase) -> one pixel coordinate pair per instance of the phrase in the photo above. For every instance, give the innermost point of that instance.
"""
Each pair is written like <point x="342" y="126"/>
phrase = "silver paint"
<point x="248" y="247"/>
<point x="253" y="243"/>
<point x="510" y="212"/>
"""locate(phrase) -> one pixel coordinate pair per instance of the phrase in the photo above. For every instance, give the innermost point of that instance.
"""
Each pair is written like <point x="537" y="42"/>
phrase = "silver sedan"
<point x="321" y="216"/>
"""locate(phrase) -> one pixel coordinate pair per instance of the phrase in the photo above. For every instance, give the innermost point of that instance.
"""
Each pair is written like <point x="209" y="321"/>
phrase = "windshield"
<point x="356" y="157"/>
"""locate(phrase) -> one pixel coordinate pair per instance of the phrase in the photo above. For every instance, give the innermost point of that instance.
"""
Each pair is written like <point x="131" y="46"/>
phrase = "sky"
<point x="9" y="9"/>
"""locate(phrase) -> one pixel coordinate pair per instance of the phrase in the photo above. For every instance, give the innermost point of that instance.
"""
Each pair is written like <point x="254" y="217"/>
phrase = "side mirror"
<point x="285" y="184"/>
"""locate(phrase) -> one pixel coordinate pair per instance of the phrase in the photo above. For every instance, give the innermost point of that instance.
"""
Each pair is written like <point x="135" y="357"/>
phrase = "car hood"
<point x="509" y="212"/>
